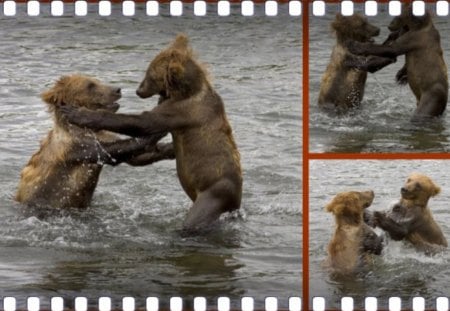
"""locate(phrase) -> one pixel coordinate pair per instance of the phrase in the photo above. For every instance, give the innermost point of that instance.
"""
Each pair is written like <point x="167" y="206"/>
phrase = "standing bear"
<point x="353" y="241"/>
<point x="411" y="218"/>
<point x="64" y="172"/>
<point x="207" y="158"/>
<point x="343" y="83"/>
<point x="426" y="70"/>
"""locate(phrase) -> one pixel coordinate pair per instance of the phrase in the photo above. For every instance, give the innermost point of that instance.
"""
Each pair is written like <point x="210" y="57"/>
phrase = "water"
<point x="127" y="243"/>
<point x="383" y="123"/>
<point x="400" y="271"/>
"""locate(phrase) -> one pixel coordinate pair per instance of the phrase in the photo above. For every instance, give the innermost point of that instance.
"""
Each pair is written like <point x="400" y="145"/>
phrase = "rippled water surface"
<point x="383" y="123"/>
<point x="126" y="243"/>
<point x="400" y="271"/>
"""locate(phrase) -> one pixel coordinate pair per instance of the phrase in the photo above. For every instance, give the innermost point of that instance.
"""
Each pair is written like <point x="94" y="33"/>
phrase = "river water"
<point x="383" y="123"/>
<point x="126" y="243"/>
<point x="399" y="271"/>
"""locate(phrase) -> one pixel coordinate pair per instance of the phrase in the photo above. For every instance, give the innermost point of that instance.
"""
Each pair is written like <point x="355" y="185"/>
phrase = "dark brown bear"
<point x="426" y="70"/>
<point x="65" y="170"/>
<point x="208" y="162"/>
<point x="344" y="80"/>
<point x="353" y="240"/>
<point x="411" y="218"/>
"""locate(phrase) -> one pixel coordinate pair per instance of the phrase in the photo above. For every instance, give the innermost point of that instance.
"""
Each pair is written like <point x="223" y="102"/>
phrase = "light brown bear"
<point x="426" y="70"/>
<point x="64" y="172"/>
<point x="208" y="161"/>
<point x="353" y="241"/>
<point x="343" y="83"/>
<point x="411" y="219"/>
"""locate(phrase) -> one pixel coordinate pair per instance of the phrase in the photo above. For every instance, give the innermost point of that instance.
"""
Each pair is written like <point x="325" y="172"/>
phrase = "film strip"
<point x="200" y="8"/>
<point x="395" y="303"/>
<point x="306" y="11"/>
<point x="118" y="250"/>
<point x="348" y="164"/>
<point x="223" y="8"/>
<point x="152" y="304"/>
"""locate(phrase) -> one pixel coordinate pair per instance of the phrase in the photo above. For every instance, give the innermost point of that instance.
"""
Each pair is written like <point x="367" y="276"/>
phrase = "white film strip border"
<point x="395" y="304"/>
<point x="152" y="7"/>
<point x="223" y="7"/>
<point x="371" y="7"/>
<point x="223" y="304"/>
<point x="152" y="304"/>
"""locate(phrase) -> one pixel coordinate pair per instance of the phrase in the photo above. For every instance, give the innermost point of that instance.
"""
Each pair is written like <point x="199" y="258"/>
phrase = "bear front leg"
<point x="366" y="49"/>
<point x="131" y="125"/>
<point x="112" y="153"/>
<point x="81" y="117"/>
<point x="124" y="150"/>
<point x="401" y="77"/>
<point x="396" y="231"/>
<point x="372" y="243"/>
<point x="370" y="64"/>
<point x="369" y="219"/>
<point x="160" y="152"/>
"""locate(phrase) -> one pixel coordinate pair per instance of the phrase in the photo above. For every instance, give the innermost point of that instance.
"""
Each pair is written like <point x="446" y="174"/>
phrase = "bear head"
<point x="354" y="27"/>
<point x="419" y="189"/>
<point x="173" y="73"/>
<point x="407" y="20"/>
<point x="348" y="207"/>
<point x="82" y="91"/>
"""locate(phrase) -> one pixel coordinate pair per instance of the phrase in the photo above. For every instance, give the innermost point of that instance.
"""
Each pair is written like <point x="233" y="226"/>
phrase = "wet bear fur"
<point x="411" y="218"/>
<point x="353" y="241"/>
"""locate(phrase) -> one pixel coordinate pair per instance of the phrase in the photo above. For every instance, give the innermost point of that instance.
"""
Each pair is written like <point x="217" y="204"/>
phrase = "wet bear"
<point x="207" y="158"/>
<point x="343" y="83"/>
<point x="426" y="70"/>
<point x="64" y="172"/>
<point x="353" y="240"/>
<point x="411" y="218"/>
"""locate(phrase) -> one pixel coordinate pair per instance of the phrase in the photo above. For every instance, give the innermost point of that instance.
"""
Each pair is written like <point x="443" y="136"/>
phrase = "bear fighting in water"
<point x="411" y="218"/>
<point x="207" y="158"/>
<point x="65" y="170"/>
<point x="353" y="240"/>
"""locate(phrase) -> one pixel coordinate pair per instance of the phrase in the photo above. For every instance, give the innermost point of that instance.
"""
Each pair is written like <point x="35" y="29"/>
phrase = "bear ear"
<point x="54" y="96"/>
<point x="181" y="42"/>
<point x="338" y="23"/>
<point x="435" y="190"/>
<point x="334" y="207"/>
<point x="337" y="204"/>
<point x="347" y="204"/>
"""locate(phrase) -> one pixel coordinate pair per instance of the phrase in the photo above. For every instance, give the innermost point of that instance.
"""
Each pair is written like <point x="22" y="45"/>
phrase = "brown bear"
<point x="411" y="218"/>
<point x="353" y="240"/>
<point x="64" y="172"/>
<point x="426" y="70"/>
<point x="208" y="162"/>
<point x="343" y="83"/>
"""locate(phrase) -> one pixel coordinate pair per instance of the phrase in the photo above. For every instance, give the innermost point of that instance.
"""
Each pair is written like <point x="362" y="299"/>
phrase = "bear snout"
<point x="367" y="197"/>
<point x="404" y="192"/>
<point x="142" y="93"/>
<point x="118" y="91"/>
<point x="139" y="93"/>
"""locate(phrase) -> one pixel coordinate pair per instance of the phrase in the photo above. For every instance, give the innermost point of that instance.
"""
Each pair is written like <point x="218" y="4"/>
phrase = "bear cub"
<point x="64" y="172"/>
